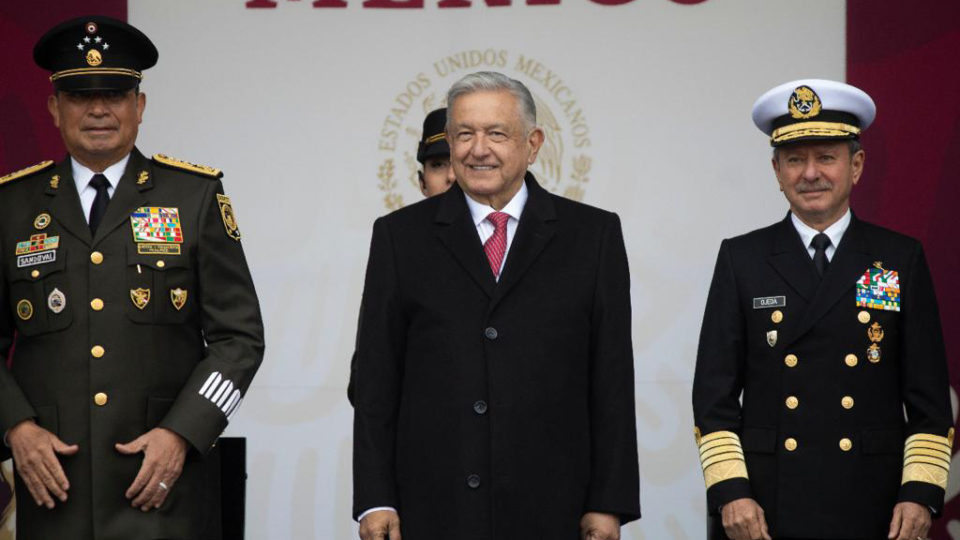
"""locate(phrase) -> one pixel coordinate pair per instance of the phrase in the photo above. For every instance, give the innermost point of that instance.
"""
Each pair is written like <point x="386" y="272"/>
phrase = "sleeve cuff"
<point x="375" y="509"/>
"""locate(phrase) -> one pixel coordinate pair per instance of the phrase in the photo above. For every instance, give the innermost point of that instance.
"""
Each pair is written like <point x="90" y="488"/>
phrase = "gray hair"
<point x="491" y="81"/>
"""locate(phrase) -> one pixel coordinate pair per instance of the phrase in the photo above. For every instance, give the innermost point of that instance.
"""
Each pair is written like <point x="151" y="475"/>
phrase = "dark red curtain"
<point x="905" y="55"/>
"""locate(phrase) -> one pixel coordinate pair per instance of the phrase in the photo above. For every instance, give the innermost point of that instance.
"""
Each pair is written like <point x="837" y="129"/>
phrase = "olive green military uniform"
<point x="153" y="321"/>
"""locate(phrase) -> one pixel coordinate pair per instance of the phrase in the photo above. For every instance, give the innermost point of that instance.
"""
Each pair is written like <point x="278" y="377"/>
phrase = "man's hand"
<point x="599" y="526"/>
<point x="380" y="525"/>
<point x="35" y="455"/>
<point x="910" y="521"/>
<point x="163" y="455"/>
<point x="743" y="520"/>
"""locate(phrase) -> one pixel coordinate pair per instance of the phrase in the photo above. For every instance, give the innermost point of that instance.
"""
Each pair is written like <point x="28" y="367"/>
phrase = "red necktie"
<point x="496" y="246"/>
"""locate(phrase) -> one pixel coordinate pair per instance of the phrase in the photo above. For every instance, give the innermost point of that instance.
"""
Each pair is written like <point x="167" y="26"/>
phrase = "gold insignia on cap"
<point x="179" y="298"/>
<point x="25" y="172"/>
<point x="804" y="103"/>
<point x="229" y="218"/>
<point x="94" y="58"/>
<point x="24" y="310"/>
<point x="140" y="298"/>
<point x="91" y="28"/>
<point x="142" y="178"/>
<point x="42" y="221"/>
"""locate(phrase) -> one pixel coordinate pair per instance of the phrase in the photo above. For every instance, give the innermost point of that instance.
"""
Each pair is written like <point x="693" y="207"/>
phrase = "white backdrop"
<point x="314" y="116"/>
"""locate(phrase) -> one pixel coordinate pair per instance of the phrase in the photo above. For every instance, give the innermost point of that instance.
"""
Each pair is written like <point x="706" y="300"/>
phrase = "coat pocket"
<point x="40" y="304"/>
<point x="162" y="289"/>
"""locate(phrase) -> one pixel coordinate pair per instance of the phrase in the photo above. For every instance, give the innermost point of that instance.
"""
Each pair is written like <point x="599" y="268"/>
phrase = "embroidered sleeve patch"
<point x="229" y="218"/>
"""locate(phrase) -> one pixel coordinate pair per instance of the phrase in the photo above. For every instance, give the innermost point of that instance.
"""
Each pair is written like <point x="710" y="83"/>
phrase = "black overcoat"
<point x="822" y="424"/>
<point x="495" y="410"/>
<point x="105" y="364"/>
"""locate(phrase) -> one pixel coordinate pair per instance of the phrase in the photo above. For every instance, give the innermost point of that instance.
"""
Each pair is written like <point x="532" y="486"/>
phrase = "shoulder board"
<point x="187" y="166"/>
<point x="43" y="165"/>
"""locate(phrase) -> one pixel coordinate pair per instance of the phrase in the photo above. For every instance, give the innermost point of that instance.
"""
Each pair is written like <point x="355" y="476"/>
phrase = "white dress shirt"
<point x="82" y="176"/>
<point x="835" y="232"/>
<point x="485" y="229"/>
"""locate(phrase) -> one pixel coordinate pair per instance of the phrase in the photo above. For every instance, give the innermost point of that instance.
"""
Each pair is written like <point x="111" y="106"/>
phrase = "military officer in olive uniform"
<point x="130" y="309"/>
<point x="820" y="332"/>
<point x="433" y="153"/>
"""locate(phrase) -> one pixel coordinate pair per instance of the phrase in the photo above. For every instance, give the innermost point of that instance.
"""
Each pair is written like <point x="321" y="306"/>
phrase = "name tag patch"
<point x="770" y="302"/>
<point x="43" y="257"/>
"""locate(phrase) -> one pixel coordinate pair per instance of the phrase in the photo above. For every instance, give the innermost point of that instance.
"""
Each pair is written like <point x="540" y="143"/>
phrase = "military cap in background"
<point x="433" y="142"/>
<point x="95" y="53"/>
<point x="813" y="109"/>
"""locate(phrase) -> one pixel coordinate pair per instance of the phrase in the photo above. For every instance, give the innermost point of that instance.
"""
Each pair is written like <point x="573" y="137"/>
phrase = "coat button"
<point x="776" y="316"/>
<point x="96" y="304"/>
<point x="790" y="360"/>
<point x="100" y="399"/>
<point x="850" y="360"/>
<point x="846" y="444"/>
<point x="480" y="407"/>
<point x="96" y="257"/>
<point x="792" y="402"/>
<point x="473" y="481"/>
<point x="790" y="444"/>
<point x="97" y="351"/>
<point x="161" y="264"/>
<point x="490" y="333"/>
<point x="35" y="274"/>
<point x="847" y="402"/>
<point x="863" y="316"/>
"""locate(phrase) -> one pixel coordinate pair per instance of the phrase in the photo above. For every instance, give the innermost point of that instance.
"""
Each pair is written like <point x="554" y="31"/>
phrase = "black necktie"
<point x="820" y="244"/>
<point x="99" y="206"/>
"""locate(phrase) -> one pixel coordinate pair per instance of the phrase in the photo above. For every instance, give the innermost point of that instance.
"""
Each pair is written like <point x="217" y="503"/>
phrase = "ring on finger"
<point x="164" y="487"/>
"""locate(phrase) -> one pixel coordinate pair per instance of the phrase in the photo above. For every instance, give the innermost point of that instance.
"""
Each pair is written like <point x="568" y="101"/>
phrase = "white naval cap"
<point x="813" y="109"/>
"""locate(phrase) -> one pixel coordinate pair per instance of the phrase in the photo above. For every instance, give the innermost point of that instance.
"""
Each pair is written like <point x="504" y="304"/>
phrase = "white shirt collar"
<point x="82" y="175"/>
<point x="835" y="231"/>
<point x="514" y="208"/>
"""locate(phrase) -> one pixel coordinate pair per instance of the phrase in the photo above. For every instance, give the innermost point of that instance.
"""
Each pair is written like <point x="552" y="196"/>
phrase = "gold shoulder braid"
<point x="721" y="456"/>
<point x="25" y="172"/>
<point x="187" y="166"/>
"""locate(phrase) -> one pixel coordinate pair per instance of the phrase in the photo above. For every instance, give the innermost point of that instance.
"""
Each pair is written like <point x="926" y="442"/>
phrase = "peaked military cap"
<point x="813" y="109"/>
<point x="433" y="142"/>
<point x="95" y="53"/>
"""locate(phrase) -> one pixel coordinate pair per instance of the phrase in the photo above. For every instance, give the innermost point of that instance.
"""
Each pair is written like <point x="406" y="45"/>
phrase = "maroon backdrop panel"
<point x="904" y="54"/>
<point x="27" y="135"/>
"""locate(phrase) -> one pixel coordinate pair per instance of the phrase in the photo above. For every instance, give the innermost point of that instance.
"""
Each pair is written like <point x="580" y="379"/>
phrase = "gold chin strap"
<point x="926" y="458"/>
<point x="96" y="71"/>
<point x="721" y="457"/>
<point x="813" y="129"/>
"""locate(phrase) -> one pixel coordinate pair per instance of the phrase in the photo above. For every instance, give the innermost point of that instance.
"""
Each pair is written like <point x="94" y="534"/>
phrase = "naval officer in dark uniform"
<point x="820" y="396"/>
<point x="129" y="307"/>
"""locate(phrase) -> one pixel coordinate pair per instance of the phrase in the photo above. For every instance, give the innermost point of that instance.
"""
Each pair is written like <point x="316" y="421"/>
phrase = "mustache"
<point x="819" y="185"/>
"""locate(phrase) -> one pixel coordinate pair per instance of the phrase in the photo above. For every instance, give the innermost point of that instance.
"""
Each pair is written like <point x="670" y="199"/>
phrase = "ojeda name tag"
<point x="769" y="302"/>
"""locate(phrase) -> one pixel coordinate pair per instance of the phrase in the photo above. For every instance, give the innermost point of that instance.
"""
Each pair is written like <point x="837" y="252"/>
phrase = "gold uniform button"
<point x="790" y="444"/>
<point x="864" y="317"/>
<point x="96" y="257"/>
<point x="846" y="444"/>
<point x="851" y="360"/>
<point x="96" y="304"/>
<point x="161" y="264"/>
<point x="790" y="360"/>
<point x="847" y="402"/>
<point x="35" y="274"/>
<point x="776" y="316"/>
<point x="792" y="402"/>
<point x="97" y="351"/>
<point x="100" y="399"/>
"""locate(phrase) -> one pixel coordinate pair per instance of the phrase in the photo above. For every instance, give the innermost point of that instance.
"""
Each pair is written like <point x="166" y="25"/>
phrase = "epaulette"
<point x="43" y="165"/>
<point x="187" y="166"/>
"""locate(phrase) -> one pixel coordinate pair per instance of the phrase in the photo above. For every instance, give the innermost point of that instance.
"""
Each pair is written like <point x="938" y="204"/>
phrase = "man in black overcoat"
<point x="821" y="398"/>
<point x="128" y="307"/>
<point x="492" y="382"/>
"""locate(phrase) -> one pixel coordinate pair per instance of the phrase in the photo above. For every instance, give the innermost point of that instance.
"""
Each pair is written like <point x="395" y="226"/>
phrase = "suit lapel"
<point x="790" y="259"/>
<point x="128" y="196"/>
<point x="848" y="264"/>
<point x="535" y="230"/>
<point x="65" y="201"/>
<point x="458" y="234"/>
